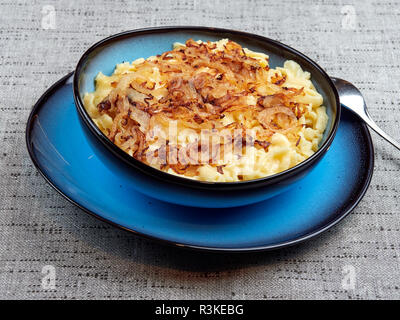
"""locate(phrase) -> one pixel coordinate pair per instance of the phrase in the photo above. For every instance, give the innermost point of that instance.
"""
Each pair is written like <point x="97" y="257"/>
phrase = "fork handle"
<point x="371" y="123"/>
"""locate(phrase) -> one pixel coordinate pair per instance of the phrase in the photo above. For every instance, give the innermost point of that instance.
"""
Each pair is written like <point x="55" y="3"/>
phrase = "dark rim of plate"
<point x="164" y="176"/>
<point x="358" y="193"/>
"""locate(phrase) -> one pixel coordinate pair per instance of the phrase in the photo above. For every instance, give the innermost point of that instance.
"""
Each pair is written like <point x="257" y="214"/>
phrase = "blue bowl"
<point x="128" y="46"/>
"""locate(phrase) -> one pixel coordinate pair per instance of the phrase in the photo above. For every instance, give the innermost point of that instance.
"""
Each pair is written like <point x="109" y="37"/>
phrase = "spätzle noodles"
<point x="210" y="111"/>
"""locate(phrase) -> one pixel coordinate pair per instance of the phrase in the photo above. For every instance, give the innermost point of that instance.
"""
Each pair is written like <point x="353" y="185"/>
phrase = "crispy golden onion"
<point x="200" y="86"/>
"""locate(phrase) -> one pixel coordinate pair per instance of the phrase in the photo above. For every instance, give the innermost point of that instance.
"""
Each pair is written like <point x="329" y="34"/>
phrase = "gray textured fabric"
<point x="358" y="259"/>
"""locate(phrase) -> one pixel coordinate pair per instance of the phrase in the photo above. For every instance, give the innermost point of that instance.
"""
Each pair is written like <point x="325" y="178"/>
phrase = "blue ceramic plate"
<point x="63" y="156"/>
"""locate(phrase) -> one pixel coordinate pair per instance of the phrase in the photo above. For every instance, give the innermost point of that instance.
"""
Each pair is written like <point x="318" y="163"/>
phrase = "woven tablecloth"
<point x="42" y="235"/>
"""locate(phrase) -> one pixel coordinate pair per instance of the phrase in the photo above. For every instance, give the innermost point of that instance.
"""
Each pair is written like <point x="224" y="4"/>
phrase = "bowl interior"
<point x="131" y="46"/>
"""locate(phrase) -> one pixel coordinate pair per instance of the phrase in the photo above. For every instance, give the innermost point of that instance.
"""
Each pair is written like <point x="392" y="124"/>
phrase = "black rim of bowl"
<point x="164" y="176"/>
<point x="359" y="194"/>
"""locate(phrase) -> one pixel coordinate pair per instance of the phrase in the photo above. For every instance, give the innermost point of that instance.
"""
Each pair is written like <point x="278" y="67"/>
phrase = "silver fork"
<point x="351" y="98"/>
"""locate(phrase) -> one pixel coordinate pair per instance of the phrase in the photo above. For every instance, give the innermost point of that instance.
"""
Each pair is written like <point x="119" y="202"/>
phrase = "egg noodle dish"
<point x="210" y="111"/>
